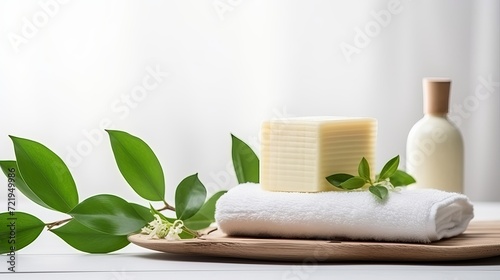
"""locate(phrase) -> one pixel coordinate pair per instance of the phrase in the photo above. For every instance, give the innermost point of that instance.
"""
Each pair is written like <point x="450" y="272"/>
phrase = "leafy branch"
<point x="101" y="223"/>
<point x="61" y="222"/>
<point x="388" y="179"/>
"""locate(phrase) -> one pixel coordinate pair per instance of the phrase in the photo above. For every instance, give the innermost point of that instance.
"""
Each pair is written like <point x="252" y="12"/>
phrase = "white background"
<point x="67" y="67"/>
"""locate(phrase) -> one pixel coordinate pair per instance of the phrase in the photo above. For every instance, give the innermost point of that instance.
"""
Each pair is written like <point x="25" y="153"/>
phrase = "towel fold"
<point x="406" y="215"/>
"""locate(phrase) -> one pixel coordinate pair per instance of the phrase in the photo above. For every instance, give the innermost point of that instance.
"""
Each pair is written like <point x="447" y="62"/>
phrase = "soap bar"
<point x="297" y="154"/>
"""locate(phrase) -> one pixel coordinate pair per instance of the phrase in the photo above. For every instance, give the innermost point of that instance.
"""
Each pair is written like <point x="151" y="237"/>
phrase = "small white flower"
<point x="175" y="230"/>
<point x="155" y="228"/>
<point x="159" y="228"/>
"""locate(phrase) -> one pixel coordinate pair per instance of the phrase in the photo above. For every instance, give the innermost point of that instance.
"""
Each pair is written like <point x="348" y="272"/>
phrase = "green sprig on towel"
<point x="389" y="178"/>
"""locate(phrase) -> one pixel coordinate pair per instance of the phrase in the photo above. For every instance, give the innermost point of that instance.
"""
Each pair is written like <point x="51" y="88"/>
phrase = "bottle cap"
<point x="436" y="95"/>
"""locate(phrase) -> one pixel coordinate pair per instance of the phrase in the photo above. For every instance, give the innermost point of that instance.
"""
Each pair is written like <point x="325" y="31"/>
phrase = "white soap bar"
<point x="297" y="154"/>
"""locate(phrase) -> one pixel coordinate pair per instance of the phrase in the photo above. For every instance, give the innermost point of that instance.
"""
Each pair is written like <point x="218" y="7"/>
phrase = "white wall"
<point x="230" y="69"/>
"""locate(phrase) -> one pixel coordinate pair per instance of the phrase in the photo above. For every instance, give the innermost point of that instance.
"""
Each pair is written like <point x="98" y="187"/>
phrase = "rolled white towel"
<point x="407" y="215"/>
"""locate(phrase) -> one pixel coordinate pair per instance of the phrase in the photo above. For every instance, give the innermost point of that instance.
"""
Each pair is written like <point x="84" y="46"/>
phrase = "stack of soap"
<point x="297" y="154"/>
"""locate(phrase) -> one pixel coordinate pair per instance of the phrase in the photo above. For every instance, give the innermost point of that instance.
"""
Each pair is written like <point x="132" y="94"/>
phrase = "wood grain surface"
<point x="480" y="240"/>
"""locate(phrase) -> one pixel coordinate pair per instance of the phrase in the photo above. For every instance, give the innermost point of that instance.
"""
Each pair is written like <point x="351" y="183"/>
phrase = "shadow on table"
<point x="195" y="258"/>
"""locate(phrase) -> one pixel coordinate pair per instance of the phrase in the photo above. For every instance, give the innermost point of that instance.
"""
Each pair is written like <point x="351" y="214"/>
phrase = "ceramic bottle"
<point x="434" y="149"/>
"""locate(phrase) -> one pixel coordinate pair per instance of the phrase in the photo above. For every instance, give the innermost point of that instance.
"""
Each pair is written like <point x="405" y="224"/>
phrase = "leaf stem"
<point x="370" y="181"/>
<point x="166" y="207"/>
<point x="190" y="231"/>
<point x="57" y="223"/>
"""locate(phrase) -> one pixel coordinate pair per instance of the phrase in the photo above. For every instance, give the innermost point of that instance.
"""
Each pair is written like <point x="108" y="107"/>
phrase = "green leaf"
<point x="353" y="183"/>
<point x="144" y="212"/>
<point x="379" y="191"/>
<point x="46" y="174"/>
<point x="339" y="178"/>
<point x="245" y="161"/>
<point x="138" y="164"/>
<point x="389" y="168"/>
<point x="18" y="230"/>
<point x="10" y="167"/>
<point x="205" y="216"/>
<point x="88" y="240"/>
<point x="108" y="214"/>
<point x="364" y="169"/>
<point x="401" y="178"/>
<point x="189" y="197"/>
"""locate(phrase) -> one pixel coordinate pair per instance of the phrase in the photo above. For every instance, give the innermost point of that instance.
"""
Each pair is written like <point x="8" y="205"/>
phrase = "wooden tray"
<point x="480" y="240"/>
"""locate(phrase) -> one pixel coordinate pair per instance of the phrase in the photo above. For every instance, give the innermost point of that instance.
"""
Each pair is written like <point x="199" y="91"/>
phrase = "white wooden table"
<point x="49" y="258"/>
